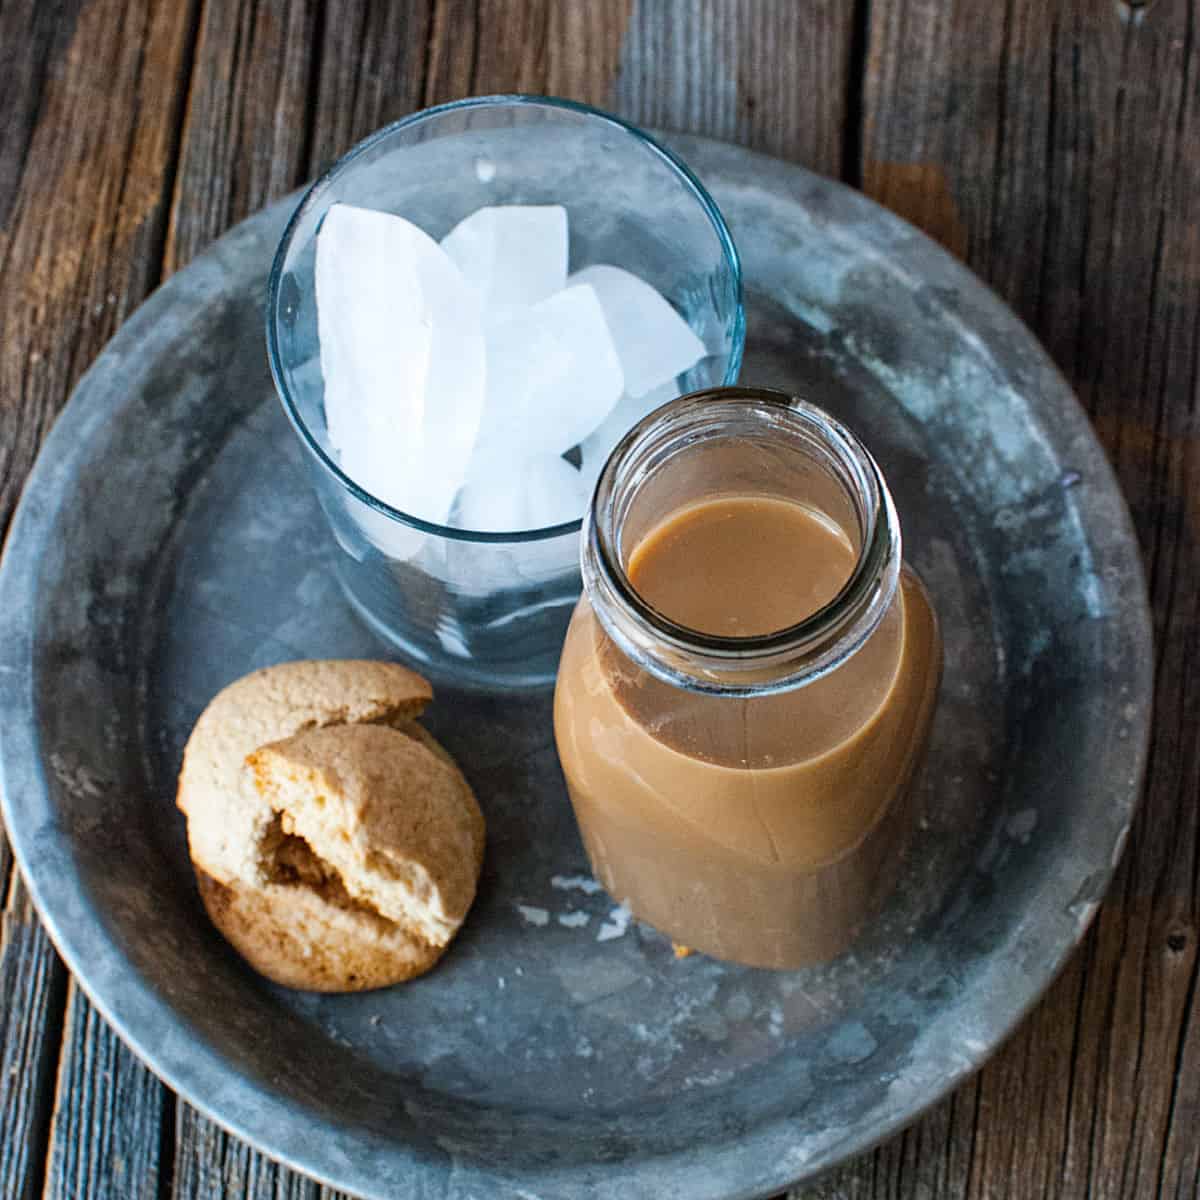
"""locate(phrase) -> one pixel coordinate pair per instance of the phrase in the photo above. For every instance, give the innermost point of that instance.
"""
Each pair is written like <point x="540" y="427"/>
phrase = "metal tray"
<point x="168" y="542"/>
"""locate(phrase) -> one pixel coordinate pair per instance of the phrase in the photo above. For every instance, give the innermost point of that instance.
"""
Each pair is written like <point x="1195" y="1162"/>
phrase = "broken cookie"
<point x="336" y="844"/>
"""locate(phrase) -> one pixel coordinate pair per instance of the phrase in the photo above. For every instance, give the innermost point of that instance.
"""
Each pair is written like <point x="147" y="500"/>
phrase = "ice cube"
<point x="503" y="495"/>
<point x="375" y="339"/>
<point x="490" y="500"/>
<point x="654" y="343"/>
<point x="553" y="492"/>
<point x="553" y="376"/>
<point x="512" y="254"/>
<point x="599" y="444"/>
<point x="402" y="354"/>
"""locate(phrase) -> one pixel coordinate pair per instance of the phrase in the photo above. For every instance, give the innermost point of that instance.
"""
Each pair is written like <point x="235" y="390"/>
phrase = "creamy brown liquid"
<point x="740" y="567"/>
<point x="766" y="829"/>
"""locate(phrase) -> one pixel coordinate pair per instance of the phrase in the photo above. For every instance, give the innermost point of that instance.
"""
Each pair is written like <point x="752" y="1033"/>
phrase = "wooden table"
<point x="1054" y="144"/>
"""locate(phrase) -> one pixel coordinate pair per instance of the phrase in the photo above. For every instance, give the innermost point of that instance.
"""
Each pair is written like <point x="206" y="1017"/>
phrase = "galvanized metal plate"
<point x="168" y="542"/>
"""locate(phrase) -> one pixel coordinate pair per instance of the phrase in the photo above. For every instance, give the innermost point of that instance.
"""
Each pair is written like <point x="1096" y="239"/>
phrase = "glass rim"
<point x="880" y="537"/>
<point x="498" y="100"/>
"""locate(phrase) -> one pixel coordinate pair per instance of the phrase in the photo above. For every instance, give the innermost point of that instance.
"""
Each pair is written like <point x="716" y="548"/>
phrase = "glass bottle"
<point x="746" y="788"/>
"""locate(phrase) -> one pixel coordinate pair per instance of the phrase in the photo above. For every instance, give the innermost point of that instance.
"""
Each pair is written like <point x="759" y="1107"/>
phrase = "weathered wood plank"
<point x="771" y="74"/>
<point x="210" y="1163"/>
<point x="378" y="63"/>
<point x="372" y="71"/>
<point x="105" y="1135"/>
<point x="86" y="154"/>
<point x="1053" y="146"/>
<point x="728" y="68"/>
<point x="31" y="999"/>
<point x="80" y="246"/>
<point x="245" y="133"/>
<point x="540" y="46"/>
<point x="33" y="35"/>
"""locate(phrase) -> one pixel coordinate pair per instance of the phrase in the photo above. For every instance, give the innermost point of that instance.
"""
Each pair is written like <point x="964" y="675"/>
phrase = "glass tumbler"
<point x="489" y="609"/>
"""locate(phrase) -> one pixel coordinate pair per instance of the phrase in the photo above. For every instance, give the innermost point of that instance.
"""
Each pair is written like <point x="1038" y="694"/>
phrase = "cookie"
<point x="227" y="818"/>
<point x="344" y="854"/>
<point x="396" y="823"/>
<point x="295" y="936"/>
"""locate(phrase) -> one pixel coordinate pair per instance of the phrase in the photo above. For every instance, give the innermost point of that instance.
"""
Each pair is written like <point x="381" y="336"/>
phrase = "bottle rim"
<point x="757" y="663"/>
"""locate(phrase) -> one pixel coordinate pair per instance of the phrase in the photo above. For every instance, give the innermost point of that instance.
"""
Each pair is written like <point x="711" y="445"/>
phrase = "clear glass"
<point x="490" y="609"/>
<point x="749" y="796"/>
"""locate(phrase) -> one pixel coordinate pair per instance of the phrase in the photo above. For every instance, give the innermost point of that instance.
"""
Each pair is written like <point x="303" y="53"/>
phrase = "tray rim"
<point x="24" y="787"/>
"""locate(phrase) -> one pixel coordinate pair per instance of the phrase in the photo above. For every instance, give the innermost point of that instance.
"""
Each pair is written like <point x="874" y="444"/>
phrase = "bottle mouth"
<point x="742" y="441"/>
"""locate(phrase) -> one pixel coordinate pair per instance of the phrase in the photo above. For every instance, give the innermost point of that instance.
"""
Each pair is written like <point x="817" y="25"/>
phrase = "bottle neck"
<point x="742" y="442"/>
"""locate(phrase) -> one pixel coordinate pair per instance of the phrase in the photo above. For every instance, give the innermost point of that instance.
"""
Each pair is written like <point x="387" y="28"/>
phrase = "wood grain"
<point x="209" y="1164"/>
<point x="372" y="72"/>
<point x="32" y="983"/>
<point x="107" y="1124"/>
<point x="541" y="46"/>
<point x="1054" y="146"/>
<point x="81" y="243"/>
<point x="772" y="75"/>
<point x="81" y="231"/>
<point x="33" y="34"/>
<point x="245" y="130"/>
